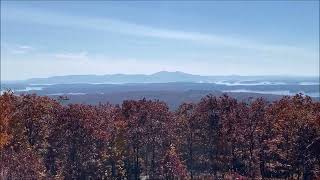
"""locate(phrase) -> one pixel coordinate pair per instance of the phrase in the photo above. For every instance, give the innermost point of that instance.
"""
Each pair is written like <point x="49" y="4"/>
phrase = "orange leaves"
<point x="6" y="112"/>
<point x="173" y="166"/>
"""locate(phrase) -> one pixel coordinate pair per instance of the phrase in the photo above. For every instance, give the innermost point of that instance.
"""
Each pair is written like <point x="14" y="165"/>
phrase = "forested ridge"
<point x="217" y="138"/>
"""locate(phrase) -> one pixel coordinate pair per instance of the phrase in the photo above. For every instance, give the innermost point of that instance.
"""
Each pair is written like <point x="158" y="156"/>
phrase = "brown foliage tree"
<point x="217" y="138"/>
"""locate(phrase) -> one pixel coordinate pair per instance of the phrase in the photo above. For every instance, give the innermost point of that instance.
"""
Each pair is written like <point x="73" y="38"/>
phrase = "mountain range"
<point x="163" y="77"/>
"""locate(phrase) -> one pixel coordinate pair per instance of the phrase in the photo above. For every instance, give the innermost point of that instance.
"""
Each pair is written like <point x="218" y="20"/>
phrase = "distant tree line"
<point x="217" y="138"/>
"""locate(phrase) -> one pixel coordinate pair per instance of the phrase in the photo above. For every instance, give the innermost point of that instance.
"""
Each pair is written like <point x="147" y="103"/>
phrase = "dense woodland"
<point x="217" y="138"/>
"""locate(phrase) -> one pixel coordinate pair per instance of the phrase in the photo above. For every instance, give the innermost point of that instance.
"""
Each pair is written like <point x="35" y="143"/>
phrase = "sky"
<point x="52" y="38"/>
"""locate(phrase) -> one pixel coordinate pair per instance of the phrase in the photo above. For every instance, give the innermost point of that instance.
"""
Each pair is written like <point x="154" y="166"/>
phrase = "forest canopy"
<point x="216" y="138"/>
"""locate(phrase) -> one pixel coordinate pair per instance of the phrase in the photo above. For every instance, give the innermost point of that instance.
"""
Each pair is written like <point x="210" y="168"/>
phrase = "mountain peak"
<point x="170" y="73"/>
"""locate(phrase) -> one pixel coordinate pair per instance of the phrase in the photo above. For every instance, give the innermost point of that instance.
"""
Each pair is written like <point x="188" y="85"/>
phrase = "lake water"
<point x="240" y="83"/>
<point x="283" y="93"/>
<point x="62" y="94"/>
<point x="32" y="88"/>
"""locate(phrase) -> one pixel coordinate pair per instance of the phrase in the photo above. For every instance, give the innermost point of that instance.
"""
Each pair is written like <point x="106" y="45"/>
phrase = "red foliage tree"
<point x="218" y="137"/>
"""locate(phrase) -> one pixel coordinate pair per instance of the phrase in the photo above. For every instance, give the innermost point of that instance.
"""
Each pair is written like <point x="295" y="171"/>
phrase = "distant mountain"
<point x="163" y="77"/>
<point x="159" y="77"/>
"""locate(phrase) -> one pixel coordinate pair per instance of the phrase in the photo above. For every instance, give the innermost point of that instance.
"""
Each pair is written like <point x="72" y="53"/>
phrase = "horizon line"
<point x="150" y="74"/>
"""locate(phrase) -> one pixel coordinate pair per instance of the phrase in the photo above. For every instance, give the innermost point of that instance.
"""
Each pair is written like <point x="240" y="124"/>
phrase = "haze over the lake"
<point x="42" y="39"/>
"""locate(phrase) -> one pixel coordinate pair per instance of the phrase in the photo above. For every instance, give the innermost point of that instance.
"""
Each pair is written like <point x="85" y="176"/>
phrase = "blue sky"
<point x="41" y="39"/>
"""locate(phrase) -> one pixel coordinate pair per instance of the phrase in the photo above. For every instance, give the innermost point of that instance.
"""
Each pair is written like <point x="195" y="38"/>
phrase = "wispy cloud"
<point x="25" y="47"/>
<point x="112" y="25"/>
<point x="21" y="49"/>
<point x="71" y="56"/>
<point x="221" y="54"/>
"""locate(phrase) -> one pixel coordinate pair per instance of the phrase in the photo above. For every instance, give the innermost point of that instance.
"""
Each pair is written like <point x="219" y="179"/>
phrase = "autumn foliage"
<point x="217" y="138"/>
